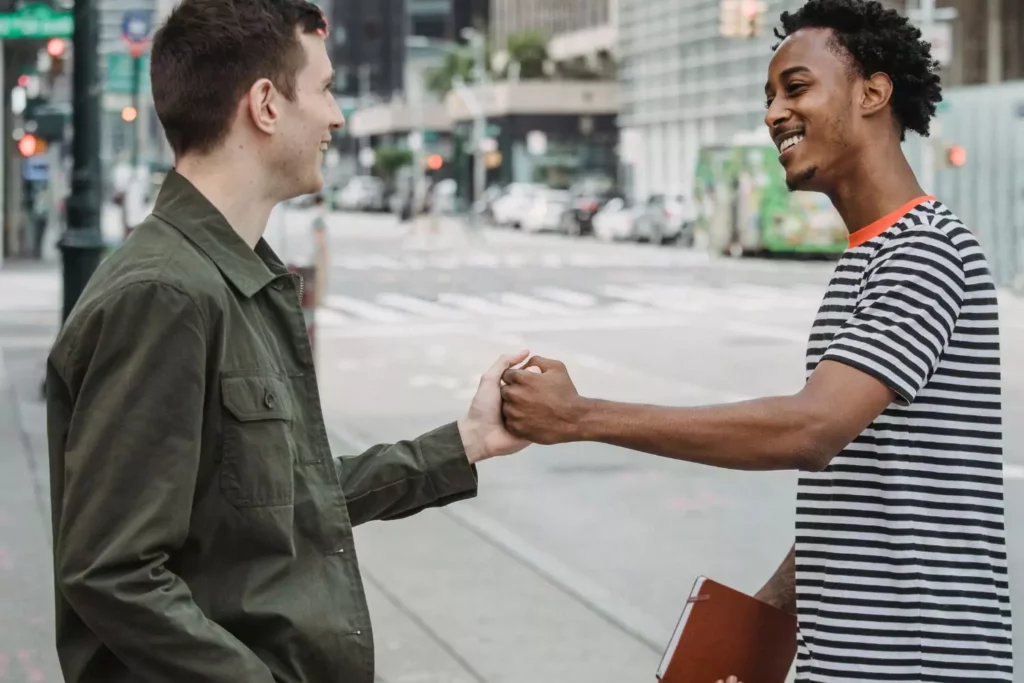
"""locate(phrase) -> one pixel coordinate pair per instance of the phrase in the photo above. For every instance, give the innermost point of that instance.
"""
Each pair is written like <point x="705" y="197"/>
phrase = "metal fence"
<point x="987" y="192"/>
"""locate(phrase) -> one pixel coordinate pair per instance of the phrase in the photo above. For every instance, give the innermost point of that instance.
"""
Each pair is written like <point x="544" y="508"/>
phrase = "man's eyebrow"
<point x="791" y="71"/>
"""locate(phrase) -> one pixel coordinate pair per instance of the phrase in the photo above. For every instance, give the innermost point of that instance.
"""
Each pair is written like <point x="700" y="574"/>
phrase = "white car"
<point x="511" y="207"/>
<point x="545" y="211"/>
<point x="617" y="221"/>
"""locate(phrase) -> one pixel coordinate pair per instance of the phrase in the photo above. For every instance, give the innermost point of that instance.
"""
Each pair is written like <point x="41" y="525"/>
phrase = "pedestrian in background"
<point x="899" y="570"/>
<point x="202" y="527"/>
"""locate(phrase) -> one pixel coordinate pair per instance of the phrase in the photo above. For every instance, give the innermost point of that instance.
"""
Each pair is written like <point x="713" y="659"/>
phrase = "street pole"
<point x="928" y="17"/>
<point x="364" y="89"/>
<point x="480" y="121"/>
<point x="82" y="243"/>
<point x="136" y="128"/>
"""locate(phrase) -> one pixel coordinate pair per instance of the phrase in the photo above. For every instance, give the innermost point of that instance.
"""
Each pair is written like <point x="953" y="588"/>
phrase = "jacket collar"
<point x="185" y="208"/>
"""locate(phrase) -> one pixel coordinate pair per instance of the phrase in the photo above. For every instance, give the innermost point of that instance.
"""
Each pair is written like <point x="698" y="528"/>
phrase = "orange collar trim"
<point x="872" y="231"/>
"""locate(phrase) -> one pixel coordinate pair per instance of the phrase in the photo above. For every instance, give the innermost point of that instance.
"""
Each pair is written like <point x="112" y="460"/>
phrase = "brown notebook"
<point x="723" y="632"/>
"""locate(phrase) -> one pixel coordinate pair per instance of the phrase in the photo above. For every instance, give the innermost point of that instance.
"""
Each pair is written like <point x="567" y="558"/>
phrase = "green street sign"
<point x="36" y="21"/>
<point x="118" y="78"/>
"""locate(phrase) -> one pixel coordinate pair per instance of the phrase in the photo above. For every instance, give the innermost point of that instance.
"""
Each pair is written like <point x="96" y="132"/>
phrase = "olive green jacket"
<point x="202" y="529"/>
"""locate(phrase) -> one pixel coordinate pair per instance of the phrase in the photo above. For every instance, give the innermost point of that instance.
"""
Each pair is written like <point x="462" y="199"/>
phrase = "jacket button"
<point x="269" y="400"/>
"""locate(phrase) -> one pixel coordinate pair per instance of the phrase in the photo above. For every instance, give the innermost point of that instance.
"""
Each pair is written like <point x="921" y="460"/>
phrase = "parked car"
<point x="666" y="219"/>
<point x="545" y="211"/>
<point x="510" y="208"/>
<point x="616" y="220"/>
<point x="363" y="193"/>
<point x="588" y="195"/>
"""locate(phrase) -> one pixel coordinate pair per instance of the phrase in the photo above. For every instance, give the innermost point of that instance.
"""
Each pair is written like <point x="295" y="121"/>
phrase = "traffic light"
<point x="956" y="156"/>
<point x="129" y="114"/>
<point x="29" y="145"/>
<point x="55" y="48"/>
<point x="435" y="162"/>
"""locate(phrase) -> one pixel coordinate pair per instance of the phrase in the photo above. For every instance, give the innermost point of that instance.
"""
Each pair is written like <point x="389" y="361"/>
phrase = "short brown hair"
<point x="209" y="52"/>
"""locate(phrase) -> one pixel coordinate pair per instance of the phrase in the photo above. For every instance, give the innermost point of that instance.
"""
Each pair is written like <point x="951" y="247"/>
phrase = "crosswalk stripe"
<point x="567" y="296"/>
<point x="530" y="304"/>
<point x="419" y="306"/>
<point x="364" y="309"/>
<point x="651" y="297"/>
<point x="476" y="304"/>
<point x="328" y="317"/>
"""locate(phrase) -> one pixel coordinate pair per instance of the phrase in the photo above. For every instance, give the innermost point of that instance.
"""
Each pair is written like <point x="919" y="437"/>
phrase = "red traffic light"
<point x="55" y="48"/>
<point x="24" y="80"/>
<point x="28" y="145"/>
<point x="957" y="156"/>
<point x="435" y="162"/>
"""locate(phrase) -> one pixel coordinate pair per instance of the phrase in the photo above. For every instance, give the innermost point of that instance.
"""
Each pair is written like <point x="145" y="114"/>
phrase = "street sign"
<point x="36" y="21"/>
<point x="118" y="78"/>
<point x="136" y="25"/>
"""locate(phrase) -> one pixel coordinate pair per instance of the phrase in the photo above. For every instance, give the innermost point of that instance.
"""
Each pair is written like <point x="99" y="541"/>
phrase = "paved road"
<point x="408" y="326"/>
<point x="574" y="561"/>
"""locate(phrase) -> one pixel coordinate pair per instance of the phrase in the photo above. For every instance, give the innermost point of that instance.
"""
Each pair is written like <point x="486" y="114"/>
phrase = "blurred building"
<point x="549" y="17"/>
<point x="685" y="85"/>
<point x="368" y="47"/>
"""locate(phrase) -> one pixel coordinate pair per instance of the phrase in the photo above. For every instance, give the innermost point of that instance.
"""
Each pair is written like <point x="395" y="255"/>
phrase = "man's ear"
<point x="263" y="100"/>
<point x="876" y="94"/>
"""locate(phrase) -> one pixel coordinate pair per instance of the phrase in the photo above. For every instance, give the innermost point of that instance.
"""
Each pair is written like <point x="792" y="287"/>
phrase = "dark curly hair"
<point x="877" y="39"/>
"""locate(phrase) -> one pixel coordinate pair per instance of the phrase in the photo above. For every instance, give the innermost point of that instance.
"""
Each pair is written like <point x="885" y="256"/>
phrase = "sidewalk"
<point x="460" y="631"/>
<point x="29" y="319"/>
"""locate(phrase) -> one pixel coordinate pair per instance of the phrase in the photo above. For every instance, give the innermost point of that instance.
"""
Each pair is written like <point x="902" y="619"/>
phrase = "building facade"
<point x="685" y="86"/>
<point x="509" y="17"/>
<point x="368" y="47"/>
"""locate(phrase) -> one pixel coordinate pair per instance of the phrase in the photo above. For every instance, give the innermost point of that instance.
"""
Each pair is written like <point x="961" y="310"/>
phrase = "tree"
<point x="530" y="50"/>
<point x="458" y="64"/>
<point x="387" y="161"/>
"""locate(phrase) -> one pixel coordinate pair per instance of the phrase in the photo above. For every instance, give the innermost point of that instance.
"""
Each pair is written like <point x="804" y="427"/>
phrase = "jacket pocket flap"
<point x="256" y="397"/>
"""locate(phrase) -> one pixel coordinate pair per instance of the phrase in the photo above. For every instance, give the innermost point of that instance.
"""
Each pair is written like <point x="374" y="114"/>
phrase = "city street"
<point x="574" y="562"/>
<point x="405" y="333"/>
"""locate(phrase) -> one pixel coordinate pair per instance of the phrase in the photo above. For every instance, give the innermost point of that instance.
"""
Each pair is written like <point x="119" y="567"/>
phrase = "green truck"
<point x="746" y="208"/>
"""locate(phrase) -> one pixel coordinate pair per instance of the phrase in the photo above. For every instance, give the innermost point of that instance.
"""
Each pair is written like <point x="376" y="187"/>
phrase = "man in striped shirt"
<point x="899" y="569"/>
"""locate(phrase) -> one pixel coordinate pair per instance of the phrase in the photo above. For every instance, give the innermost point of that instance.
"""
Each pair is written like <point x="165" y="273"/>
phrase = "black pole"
<point x="82" y="242"/>
<point x="136" y="84"/>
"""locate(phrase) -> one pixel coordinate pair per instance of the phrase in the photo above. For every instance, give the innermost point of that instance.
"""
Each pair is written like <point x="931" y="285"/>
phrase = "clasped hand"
<point x="516" y="405"/>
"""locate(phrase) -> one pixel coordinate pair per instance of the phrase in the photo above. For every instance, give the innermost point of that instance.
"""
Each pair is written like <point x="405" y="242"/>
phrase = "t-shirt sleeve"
<point x="906" y="312"/>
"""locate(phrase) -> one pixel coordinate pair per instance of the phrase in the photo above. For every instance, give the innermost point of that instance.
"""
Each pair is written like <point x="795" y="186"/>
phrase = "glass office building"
<point x="685" y="86"/>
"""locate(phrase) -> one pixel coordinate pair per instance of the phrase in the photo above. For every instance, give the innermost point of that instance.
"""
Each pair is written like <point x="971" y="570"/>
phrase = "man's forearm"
<point x="763" y="434"/>
<point x="392" y="481"/>
<point x="780" y="591"/>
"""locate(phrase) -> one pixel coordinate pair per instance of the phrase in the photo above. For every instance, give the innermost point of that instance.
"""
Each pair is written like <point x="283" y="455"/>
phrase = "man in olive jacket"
<point x="202" y="528"/>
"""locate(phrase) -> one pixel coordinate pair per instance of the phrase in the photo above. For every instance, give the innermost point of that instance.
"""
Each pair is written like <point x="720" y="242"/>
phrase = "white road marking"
<point x="536" y="305"/>
<point x="419" y="306"/>
<point x="567" y="296"/>
<point x="476" y="304"/>
<point x="363" y="309"/>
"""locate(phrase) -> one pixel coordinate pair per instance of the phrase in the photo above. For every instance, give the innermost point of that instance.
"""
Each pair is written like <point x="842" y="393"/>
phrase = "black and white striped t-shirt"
<point x="900" y="549"/>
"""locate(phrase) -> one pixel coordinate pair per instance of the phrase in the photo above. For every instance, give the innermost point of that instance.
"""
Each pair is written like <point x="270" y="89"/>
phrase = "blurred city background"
<point x="589" y="179"/>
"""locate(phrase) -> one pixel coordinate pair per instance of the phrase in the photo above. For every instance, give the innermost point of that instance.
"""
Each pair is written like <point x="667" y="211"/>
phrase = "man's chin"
<point x="801" y="181"/>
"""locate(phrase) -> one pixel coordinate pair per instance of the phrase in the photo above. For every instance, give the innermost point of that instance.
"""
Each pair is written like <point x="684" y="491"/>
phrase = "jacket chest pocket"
<point x="259" y="442"/>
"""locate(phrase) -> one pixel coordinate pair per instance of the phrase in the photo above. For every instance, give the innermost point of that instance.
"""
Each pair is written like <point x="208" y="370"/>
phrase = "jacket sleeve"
<point x="136" y="376"/>
<point x="392" y="481"/>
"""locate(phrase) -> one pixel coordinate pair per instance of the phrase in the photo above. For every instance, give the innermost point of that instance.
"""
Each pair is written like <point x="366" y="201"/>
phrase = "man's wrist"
<point x="591" y="418"/>
<point x="472" y="441"/>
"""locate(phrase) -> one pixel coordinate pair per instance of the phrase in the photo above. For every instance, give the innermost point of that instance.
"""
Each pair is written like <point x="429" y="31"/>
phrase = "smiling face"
<point x="303" y="133"/>
<point x="812" y="105"/>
